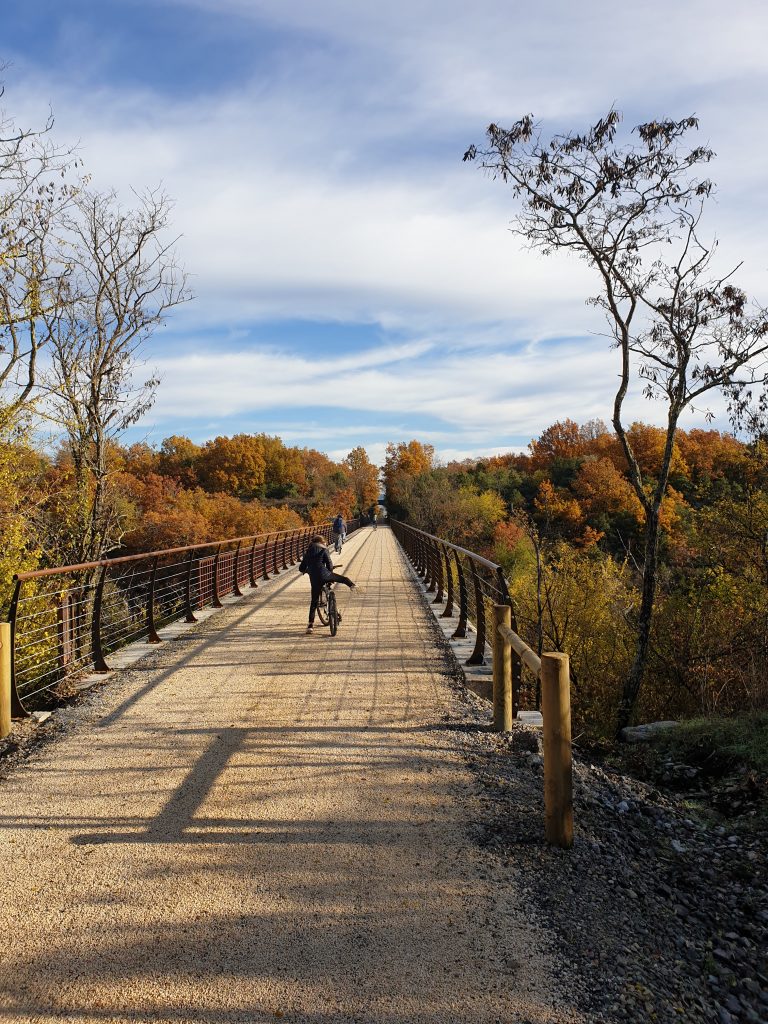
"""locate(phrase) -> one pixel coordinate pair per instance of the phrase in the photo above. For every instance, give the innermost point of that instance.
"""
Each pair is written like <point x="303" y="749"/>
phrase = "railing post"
<point x="188" y="609"/>
<point x="438" y="560"/>
<point x="17" y="708"/>
<point x="236" y="581"/>
<point x="99" y="664"/>
<point x="6" y="643"/>
<point x="461" y="629"/>
<point x="275" y="568"/>
<point x="448" y="612"/>
<point x="477" y="657"/>
<point x="502" y="670"/>
<point x="264" y="569"/>
<point x="517" y="663"/>
<point x="429" y="580"/>
<point x="216" y="600"/>
<point x="413" y="549"/>
<point x="64" y="630"/>
<point x="285" y="553"/>
<point x="556" y="713"/>
<point x="152" y="637"/>
<point x="419" y="548"/>
<point x="252" y="566"/>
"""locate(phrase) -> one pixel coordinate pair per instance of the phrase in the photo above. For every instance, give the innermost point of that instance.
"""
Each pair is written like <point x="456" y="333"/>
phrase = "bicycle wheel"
<point x="333" y="613"/>
<point x="322" y="606"/>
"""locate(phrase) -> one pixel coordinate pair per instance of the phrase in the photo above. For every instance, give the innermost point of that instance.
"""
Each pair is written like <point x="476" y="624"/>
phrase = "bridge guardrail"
<point x="463" y="578"/>
<point x="486" y="601"/>
<point x="66" y="621"/>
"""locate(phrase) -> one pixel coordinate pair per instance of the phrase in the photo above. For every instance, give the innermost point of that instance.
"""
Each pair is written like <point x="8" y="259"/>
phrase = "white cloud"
<point x="333" y="190"/>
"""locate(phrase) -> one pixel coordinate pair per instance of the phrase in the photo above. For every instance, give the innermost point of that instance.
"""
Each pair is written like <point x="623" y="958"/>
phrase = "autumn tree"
<point x="284" y="473"/>
<point x="632" y="209"/>
<point x="233" y="465"/>
<point x="363" y="478"/>
<point x="178" y="459"/>
<point x="404" y="461"/>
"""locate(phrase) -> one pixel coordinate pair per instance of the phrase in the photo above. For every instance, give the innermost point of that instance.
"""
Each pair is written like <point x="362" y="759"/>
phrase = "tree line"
<point x="564" y="521"/>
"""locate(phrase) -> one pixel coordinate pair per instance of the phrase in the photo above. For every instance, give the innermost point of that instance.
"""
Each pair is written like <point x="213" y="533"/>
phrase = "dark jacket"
<point x="317" y="563"/>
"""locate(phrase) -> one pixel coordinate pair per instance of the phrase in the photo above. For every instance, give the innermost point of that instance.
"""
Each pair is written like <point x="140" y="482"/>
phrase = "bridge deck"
<point x="255" y="824"/>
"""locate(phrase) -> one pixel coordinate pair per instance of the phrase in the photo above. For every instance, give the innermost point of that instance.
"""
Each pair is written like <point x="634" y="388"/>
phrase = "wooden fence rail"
<point x="553" y="670"/>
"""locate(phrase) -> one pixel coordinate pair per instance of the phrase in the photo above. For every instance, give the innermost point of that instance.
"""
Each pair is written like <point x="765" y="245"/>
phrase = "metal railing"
<point x="66" y="621"/>
<point x="483" y="598"/>
<point x="470" y="586"/>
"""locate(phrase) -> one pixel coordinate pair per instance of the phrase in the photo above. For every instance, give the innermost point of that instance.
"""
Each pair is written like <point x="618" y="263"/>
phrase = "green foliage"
<point x="740" y="740"/>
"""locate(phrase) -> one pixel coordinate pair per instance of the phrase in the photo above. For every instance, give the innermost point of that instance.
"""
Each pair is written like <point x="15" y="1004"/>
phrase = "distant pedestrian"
<point x="339" y="530"/>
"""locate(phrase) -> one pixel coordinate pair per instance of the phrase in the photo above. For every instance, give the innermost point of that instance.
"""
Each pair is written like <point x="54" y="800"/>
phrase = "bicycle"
<point x="327" y="609"/>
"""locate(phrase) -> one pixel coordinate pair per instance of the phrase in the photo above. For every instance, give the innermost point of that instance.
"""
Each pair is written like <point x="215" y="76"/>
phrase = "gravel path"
<point x="255" y="824"/>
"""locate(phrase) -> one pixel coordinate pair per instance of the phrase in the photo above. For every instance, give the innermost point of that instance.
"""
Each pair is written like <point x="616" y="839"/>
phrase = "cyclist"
<point x="317" y="564"/>
<point x="339" y="530"/>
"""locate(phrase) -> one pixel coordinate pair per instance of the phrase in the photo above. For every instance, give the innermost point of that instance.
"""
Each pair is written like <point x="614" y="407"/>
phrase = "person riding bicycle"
<point x="339" y="530"/>
<point x="317" y="564"/>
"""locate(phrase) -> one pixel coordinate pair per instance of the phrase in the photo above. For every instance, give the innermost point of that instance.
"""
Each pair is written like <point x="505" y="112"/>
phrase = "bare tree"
<point x="33" y="194"/>
<point x="123" y="281"/>
<point x="633" y="212"/>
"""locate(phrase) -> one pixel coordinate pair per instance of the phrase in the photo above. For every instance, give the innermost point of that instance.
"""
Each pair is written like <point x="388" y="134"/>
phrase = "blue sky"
<point x="355" y="282"/>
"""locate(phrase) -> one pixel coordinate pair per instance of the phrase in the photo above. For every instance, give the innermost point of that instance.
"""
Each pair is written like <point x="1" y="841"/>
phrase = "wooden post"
<point x="5" y="679"/>
<point x="502" y="670"/>
<point x="556" y="712"/>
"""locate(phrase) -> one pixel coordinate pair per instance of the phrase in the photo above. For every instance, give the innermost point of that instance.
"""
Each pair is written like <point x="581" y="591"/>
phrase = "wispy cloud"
<point x="322" y="182"/>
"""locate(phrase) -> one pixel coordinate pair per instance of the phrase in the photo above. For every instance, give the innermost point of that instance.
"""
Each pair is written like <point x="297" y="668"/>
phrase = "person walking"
<point x="339" y="530"/>
<point x="317" y="564"/>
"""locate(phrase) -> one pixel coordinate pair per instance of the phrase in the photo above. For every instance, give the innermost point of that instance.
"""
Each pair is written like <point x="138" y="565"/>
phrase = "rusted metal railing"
<point x="467" y="583"/>
<point x="483" y="599"/>
<point x="66" y="621"/>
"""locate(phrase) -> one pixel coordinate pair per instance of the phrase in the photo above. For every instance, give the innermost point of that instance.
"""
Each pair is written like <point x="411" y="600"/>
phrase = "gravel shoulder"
<point x="254" y="824"/>
<point x="660" y="912"/>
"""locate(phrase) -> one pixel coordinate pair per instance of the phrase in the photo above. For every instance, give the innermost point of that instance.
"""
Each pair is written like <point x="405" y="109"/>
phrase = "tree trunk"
<point x="631" y="689"/>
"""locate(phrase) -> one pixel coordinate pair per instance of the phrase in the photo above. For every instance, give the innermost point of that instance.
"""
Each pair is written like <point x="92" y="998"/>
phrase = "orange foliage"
<point x="563" y="440"/>
<point x="557" y="506"/>
<point x="647" y="443"/>
<point x="710" y="453"/>
<point x="602" y="490"/>
<point x="233" y="465"/>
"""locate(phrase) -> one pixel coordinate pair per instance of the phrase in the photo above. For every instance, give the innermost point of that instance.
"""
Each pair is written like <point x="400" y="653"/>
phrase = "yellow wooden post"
<point x="5" y="679"/>
<point x="502" y="670"/>
<point x="556" y="712"/>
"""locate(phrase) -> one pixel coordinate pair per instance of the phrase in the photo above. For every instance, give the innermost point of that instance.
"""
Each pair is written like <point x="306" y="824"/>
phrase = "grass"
<point x="722" y="743"/>
<point x="731" y="755"/>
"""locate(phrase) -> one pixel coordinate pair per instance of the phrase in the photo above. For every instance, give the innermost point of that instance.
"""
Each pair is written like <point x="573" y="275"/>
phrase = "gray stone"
<point x="641" y="733"/>
<point x="733" y="1004"/>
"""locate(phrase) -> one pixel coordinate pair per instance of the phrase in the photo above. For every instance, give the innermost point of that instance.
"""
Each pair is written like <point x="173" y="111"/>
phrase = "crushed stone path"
<point x="254" y="825"/>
